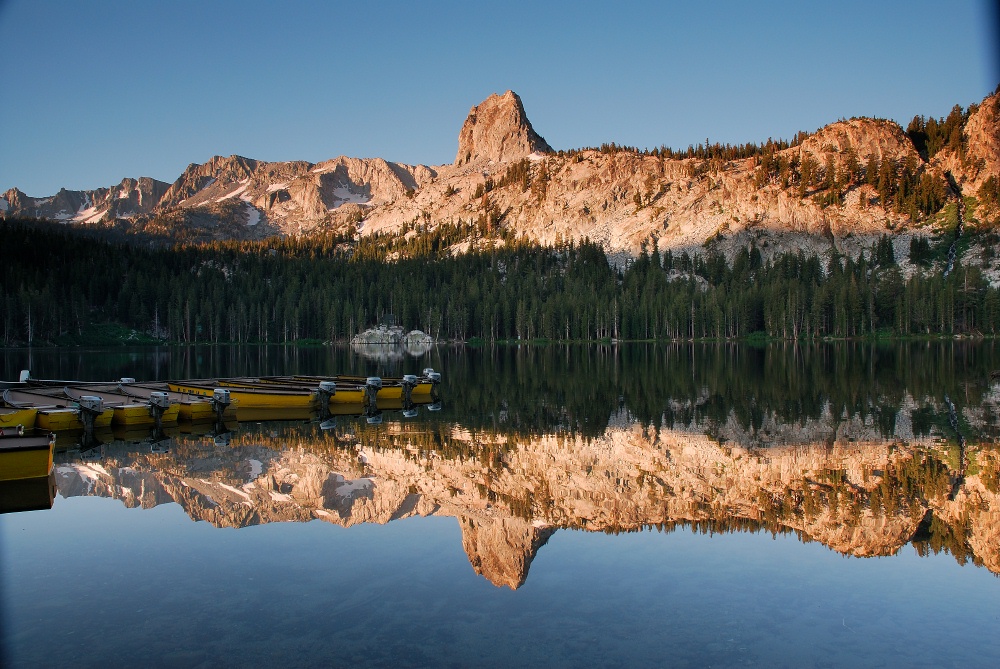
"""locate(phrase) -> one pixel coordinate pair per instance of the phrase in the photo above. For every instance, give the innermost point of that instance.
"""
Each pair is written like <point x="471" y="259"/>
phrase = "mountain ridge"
<point x="820" y="194"/>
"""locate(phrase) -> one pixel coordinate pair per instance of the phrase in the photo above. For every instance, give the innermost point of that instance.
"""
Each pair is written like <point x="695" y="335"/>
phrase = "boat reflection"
<point x="31" y="494"/>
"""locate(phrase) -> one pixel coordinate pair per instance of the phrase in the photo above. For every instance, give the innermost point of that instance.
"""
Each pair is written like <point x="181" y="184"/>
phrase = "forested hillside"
<point x="58" y="283"/>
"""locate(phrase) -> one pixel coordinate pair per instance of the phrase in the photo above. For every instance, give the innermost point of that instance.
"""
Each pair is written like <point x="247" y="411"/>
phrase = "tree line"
<point x="56" y="283"/>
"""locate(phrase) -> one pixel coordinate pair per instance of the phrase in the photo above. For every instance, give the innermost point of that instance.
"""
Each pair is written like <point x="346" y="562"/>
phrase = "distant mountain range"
<point x="815" y="193"/>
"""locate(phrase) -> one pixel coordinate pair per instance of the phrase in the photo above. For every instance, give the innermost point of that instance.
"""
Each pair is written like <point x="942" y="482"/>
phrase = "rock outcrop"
<point x="497" y="129"/>
<point x="390" y="343"/>
<point x="982" y="141"/>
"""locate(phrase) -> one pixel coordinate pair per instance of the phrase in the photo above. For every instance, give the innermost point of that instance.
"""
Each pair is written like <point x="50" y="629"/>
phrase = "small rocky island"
<point x="389" y="341"/>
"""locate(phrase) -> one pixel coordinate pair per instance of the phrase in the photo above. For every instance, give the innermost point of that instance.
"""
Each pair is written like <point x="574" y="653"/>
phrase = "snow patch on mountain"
<point x="90" y="214"/>
<point x="236" y="193"/>
<point x="253" y="215"/>
<point x="347" y="196"/>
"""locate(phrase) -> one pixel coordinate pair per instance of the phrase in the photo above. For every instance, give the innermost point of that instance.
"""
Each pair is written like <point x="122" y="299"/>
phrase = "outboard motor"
<point x="435" y="379"/>
<point x="409" y="383"/>
<point x="373" y="384"/>
<point x="91" y="406"/>
<point x="326" y="391"/>
<point x="92" y="403"/>
<point x="220" y="401"/>
<point x="159" y="402"/>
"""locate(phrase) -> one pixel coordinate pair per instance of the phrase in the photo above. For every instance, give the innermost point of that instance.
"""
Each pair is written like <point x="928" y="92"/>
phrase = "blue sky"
<point x="99" y="90"/>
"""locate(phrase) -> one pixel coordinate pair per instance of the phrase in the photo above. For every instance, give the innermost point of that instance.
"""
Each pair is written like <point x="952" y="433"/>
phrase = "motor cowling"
<point x="92" y="403"/>
<point x="159" y="399"/>
<point x="220" y="396"/>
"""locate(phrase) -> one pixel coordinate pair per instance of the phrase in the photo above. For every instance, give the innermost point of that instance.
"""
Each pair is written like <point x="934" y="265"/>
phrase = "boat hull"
<point x="253" y="398"/>
<point x="350" y="392"/>
<point x="10" y="417"/>
<point x="59" y="420"/>
<point x="25" y="457"/>
<point x="198" y="411"/>
<point x="140" y="415"/>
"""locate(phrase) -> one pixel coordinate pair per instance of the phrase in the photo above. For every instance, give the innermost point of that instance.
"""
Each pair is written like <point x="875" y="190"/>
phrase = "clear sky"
<point x="98" y="90"/>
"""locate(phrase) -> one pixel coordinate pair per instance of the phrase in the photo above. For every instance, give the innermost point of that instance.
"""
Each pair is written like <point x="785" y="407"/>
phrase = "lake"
<point x="709" y="505"/>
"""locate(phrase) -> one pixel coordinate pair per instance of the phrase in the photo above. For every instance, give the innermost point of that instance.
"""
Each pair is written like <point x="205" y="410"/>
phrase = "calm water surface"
<point x="827" y="506"/>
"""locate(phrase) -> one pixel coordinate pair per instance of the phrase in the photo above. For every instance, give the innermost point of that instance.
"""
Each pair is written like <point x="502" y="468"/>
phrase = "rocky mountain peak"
<point x="497" y="129"/>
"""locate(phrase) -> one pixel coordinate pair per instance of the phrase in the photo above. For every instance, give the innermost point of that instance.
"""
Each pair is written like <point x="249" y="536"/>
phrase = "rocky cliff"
<point x="816" y="194"/>
<point x="498" y="130"/>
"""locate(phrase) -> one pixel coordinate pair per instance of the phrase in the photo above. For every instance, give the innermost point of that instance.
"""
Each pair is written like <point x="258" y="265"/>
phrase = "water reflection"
<point x="864" y="448"/>
<point x="835" y="478"/>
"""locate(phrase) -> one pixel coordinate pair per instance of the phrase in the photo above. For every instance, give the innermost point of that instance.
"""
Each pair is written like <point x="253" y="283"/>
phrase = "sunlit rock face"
<point x="831" y="480"/>
<point x="506" y="173"/>
<point x="497" y="129"/>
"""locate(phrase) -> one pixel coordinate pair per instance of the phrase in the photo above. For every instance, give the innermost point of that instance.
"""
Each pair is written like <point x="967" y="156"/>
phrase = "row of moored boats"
<point x="55" y="406"/>
<point x="33" y="411"/>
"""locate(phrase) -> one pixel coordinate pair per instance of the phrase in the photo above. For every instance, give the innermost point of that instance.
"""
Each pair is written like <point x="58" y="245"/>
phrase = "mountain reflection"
<point x="864" y="475"/>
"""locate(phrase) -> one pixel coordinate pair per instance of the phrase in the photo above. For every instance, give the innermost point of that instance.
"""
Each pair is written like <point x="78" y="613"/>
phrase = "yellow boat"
<point x="392" y="387"/>
<point x="12" y="417"/>
<point x="25" y="457"/>
<point x="422" y="385"/>
<point x="249" y="397"/>
<point x="57" y="413"/>
<point x="130" y="411"/>
<point x="349" y="390"/>
<point x="191" y="408"/>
